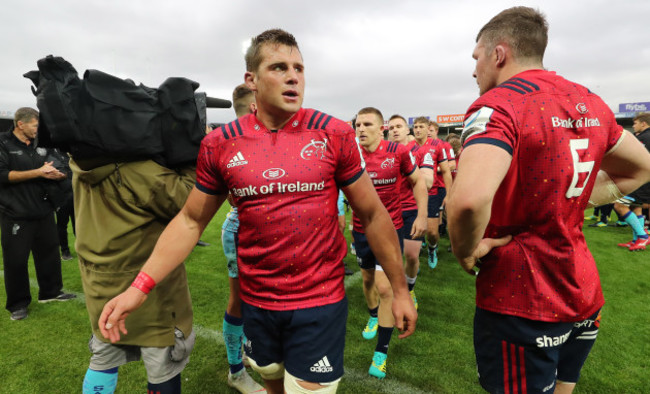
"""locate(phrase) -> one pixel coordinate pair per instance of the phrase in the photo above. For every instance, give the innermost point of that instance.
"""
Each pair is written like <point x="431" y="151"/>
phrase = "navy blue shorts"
<point x="309" y="341"/>
<point x="409" y="217"/>
<point x="365" y="258"/>
<point x="435" y="203"/>
<point x="517" y="355"/>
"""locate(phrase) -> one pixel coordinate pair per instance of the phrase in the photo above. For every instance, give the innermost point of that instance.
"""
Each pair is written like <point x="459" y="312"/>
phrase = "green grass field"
<point x="48" y="353"/>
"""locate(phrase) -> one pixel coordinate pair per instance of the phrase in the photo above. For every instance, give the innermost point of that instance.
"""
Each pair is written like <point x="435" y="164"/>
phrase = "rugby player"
<point x="536" y="139"/>
<point x="451" y="162"/>
<point x="243" y="101"/>
<point x="386" y="163"/>
<point x="434" y="128"/>
<point x="284" y="166"/>
<point x="398" y="129"/>
<point x="438" y="191"/>
<point x="629" y="209"/>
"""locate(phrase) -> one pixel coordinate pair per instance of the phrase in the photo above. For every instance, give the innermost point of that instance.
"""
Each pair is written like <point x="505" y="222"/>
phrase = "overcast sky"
<point x="407" y="57"/>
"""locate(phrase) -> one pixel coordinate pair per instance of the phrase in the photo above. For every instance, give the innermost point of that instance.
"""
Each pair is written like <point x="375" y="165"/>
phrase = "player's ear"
<point x="500" y="53"/>
<point x="250" y="80"/>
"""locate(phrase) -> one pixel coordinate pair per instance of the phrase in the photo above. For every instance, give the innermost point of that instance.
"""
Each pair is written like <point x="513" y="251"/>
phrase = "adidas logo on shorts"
<point x="237" y="160"/>
<point x="323" y="366"/>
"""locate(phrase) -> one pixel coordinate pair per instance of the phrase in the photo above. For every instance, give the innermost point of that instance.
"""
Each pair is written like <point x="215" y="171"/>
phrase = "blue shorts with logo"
<point x="435" y="203"/>
<point x="409" y="218"/>
<point x="309" y="341"/>
<point x="517" y="355"/>
<point x="365" y="258"/>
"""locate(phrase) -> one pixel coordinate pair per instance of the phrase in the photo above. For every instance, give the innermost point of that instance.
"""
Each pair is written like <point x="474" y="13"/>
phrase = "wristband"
<point x="144" y="283"/>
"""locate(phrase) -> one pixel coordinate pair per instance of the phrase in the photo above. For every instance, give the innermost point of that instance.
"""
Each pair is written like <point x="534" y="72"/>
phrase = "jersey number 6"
<point x="579" y="167"/>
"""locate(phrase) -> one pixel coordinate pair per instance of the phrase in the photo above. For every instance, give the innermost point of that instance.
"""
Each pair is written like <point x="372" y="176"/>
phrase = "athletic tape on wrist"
<point x="144" y="283"/>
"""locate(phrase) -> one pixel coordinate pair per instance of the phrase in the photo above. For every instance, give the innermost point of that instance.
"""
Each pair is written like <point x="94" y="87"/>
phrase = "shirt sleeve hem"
<point x="352" y="179"/>
<point x="490" y="141"/>
<point x="206" y="190"/>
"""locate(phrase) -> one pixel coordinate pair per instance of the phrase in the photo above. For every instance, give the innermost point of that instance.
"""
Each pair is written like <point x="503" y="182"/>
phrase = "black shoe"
<point x="60" y="297"/>
<point x="202" y="243"/>
<point x="348" y="272"/>
<point x="66" y="256"/>
<point x="19" y="314"/>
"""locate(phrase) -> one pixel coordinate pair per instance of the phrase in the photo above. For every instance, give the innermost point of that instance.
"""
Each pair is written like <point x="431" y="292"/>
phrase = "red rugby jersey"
<point x="386" y="167"/>
<point x="439" y="151"/>
<point x="424" y="159"/>
<point x="557" y="132"/>
<point x="285" y="184"/>
<point x="451" y="158"/>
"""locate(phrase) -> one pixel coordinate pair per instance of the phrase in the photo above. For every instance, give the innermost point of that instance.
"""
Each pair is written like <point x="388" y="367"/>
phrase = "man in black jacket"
<point x="65" y="209"/>
<point x="27" y="216"/>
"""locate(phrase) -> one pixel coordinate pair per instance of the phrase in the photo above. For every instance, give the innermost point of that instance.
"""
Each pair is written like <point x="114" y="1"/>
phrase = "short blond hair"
<point x="374" y="111"/>
<point x="421" y="119"/>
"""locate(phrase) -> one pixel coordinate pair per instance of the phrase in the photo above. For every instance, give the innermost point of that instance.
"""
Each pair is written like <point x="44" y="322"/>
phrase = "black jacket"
<point x="643" y="192"/>
<point x="29" y="199"/>
<point x="644" y="137"/>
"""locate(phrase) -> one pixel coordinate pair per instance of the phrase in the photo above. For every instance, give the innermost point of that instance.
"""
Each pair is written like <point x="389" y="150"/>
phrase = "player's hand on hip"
<point x="484" y="247"/>
<point x="405" y="314"/>
<point x="112" y="319"/>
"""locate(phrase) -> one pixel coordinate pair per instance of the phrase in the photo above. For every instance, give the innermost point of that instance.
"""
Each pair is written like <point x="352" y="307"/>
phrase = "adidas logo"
<point x="237" y="160"/>
<point x="323" y="366"/>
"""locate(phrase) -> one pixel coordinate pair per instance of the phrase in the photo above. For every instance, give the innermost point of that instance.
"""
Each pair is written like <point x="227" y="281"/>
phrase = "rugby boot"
<point x="378" y="366"/>
<point x="371" y="328"/>
<point x="639" y="244"/>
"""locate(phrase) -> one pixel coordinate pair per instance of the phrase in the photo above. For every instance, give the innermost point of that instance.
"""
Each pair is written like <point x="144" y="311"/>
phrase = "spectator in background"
<point x="27" y="216"/>
<point x="65" y="212"/>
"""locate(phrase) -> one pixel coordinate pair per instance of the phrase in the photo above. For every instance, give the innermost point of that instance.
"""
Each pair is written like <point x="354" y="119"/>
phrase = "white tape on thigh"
<point x="291" y="386"/>
<point x="273" y="371"/>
